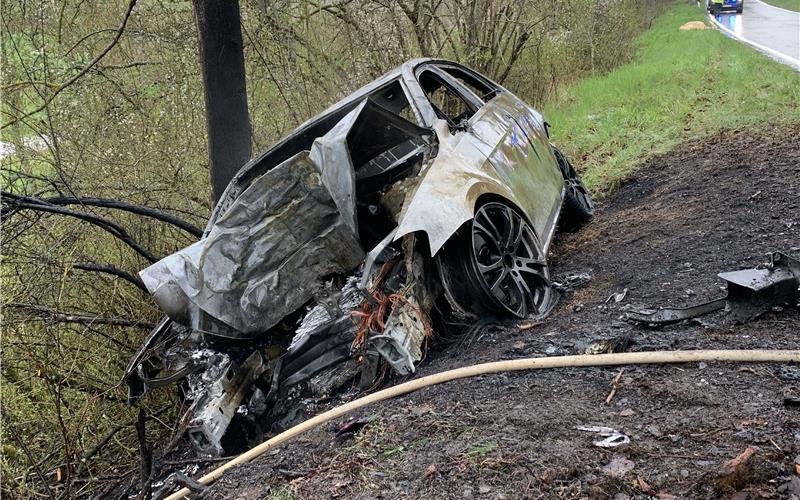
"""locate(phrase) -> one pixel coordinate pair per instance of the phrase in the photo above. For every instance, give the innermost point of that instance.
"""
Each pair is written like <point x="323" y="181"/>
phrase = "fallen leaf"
<point x="431" y="470"/>
<point x="644" y="487"/>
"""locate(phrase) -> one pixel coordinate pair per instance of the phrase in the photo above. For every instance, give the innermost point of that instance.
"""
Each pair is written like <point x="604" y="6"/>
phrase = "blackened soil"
<point x="714" y="205"/>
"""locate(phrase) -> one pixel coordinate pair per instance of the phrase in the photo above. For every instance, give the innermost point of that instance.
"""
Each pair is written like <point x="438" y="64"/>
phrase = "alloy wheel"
<point x="508" y="261"/>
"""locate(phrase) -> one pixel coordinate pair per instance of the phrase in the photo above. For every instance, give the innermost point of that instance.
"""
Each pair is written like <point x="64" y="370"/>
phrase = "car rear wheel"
<point x="495" y="264"/>
<point x="578" y="206"/>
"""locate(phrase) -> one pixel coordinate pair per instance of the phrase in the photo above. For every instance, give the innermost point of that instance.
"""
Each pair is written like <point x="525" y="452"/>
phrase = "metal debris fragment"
<point x="617" y="297"/>
<point x="611" y="437"/>
<point x="751" y="293"/>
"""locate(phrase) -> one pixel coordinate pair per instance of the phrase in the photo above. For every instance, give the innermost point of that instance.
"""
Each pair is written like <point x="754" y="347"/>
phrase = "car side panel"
<point x="494" y="156"/>
<point x="532" y="122"/>
<point x="517" y="147"/>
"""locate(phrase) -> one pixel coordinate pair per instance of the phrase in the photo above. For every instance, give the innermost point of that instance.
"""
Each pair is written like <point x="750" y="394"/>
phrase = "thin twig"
<point x="21" y="443"/>
<point x="82" y="72"/>
<point x="614" y="385"/>
<point x="109" y="269"/>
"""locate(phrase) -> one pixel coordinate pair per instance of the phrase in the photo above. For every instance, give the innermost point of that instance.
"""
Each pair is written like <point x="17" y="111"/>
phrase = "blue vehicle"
<point x="716" y="7"/>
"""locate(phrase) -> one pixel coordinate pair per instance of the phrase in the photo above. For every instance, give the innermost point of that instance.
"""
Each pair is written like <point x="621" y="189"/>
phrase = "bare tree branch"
<point x="80" y="73"/>
<point x="13" y="203"/>
<point x="61" y="317"/>
<point x="127" y="207"/>
<point x="109" y="269"/>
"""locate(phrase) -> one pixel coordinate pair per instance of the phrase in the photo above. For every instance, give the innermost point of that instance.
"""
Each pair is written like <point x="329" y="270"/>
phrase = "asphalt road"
<point x="774" y="29"/>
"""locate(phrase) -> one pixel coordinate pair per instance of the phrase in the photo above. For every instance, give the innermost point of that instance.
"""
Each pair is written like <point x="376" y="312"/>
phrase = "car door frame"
<point x="429" y="115"/>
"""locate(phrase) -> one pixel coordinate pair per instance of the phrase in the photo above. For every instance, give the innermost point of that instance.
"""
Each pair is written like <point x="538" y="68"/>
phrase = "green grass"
<point x="786" y="4"/>
<point x="481" y="450"/>
<point x="681" y="85"/>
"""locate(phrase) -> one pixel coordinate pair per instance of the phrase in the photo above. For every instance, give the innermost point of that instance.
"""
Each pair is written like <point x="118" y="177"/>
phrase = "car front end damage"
<point x="280" y="304"/>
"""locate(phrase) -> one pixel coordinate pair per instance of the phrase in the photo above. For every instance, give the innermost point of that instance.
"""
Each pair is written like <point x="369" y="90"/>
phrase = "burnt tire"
<point x="577" y="207"/>
<point x="495" y="265"/>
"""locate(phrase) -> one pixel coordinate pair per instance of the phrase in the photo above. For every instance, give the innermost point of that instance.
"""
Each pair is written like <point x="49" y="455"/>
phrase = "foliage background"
<point x="132" y="128"/>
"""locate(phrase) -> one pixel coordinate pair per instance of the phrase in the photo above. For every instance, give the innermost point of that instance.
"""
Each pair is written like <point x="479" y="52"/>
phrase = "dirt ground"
<point x="707" y="207"/>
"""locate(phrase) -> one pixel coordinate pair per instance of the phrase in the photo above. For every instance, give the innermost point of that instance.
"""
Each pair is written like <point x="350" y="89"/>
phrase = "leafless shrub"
<point x="102" y="107"/>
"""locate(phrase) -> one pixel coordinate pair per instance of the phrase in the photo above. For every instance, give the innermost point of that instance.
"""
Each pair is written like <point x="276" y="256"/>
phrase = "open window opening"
<point x="448" y="104"/>
<point x="483" y="90"/>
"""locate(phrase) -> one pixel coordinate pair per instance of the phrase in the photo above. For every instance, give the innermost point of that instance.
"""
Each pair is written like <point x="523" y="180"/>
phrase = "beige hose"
<point x="627" y="358"/>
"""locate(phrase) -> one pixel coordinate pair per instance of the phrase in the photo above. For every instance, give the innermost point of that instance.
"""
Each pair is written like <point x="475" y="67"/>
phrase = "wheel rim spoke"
<point x="578" y="190"/>
<point x="488" y="228"/>
<point x="518" y="236"/>
<point x="510" y="219"/>
<point x="509" y="261"/>
<point x="533" y="267"/>
<point x="499" y="280"/>
<point x="523" y="292"/>
<point x="486" y="269"/>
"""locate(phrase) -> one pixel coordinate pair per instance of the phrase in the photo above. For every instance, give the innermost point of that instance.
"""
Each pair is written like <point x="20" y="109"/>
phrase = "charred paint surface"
<point x="280" y="292"/>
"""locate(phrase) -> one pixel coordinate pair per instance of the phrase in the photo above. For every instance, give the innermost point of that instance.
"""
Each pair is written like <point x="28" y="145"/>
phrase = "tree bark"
<point x="222" y="65"/>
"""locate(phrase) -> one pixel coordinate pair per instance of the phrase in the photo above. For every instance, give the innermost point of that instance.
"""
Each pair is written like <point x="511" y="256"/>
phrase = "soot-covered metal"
<point x="322" y="263"/>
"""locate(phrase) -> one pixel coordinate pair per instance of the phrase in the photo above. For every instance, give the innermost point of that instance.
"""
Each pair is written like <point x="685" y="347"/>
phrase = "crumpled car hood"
<point x="262" y="259"/>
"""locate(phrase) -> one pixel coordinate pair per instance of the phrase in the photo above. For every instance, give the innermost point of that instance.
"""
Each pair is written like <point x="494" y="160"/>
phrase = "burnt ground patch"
<point x="709" y="206"/>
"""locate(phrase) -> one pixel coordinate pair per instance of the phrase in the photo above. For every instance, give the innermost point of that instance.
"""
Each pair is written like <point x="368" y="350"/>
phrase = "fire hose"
<point x="577" y="361"/>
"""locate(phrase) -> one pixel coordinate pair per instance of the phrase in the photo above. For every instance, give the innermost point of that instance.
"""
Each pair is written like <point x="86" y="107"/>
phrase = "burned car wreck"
<point x="429" y="196"/>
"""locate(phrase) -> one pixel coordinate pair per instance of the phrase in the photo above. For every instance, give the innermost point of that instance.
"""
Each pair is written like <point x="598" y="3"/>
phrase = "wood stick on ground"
<point x="614" y="385"/>
<point x="732" y="465"/>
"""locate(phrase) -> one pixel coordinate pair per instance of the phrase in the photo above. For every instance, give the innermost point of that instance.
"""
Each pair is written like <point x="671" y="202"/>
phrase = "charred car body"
<point x="430" y="192"/>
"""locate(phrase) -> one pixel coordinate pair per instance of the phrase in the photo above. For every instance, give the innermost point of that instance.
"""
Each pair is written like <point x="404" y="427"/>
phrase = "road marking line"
<point x="776" y="7"/>
<point x="780" y="56"/>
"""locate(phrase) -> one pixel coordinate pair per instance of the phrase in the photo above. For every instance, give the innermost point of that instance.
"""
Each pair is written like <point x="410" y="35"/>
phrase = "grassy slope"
<point x="786" y="4"/>
<point x="681" y="85"/>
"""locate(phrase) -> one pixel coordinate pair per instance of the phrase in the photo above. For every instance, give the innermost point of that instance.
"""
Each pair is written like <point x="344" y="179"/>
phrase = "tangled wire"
<point x="373" y="313"/>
